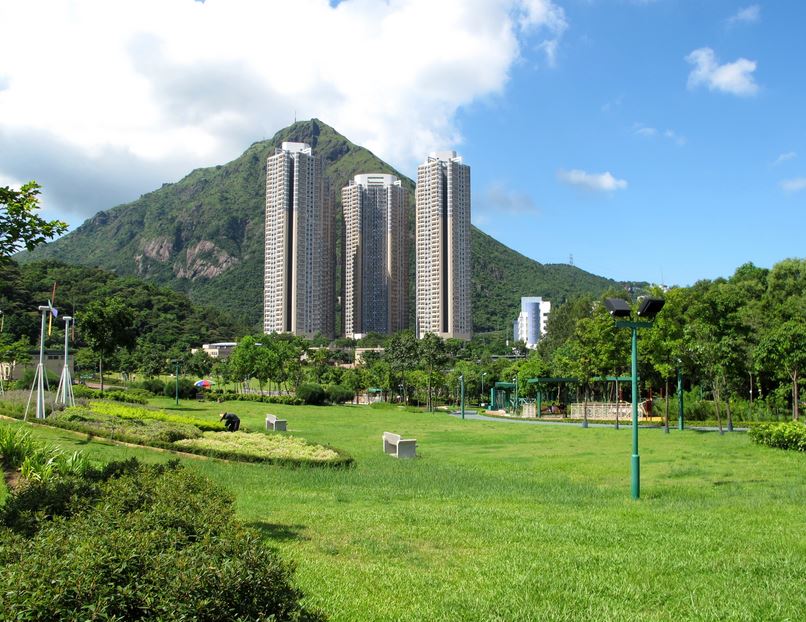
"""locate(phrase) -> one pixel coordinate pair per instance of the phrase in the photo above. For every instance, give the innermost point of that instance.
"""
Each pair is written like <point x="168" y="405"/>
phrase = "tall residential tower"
<point x="443" y="247"/>
<point x="376" y="271"/>
<point x="298" y="278"/>
<point x="532" y="321"/>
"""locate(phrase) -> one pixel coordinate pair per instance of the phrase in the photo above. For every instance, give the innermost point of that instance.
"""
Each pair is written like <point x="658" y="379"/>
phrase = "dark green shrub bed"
<point x="135" y="542"/>
<point x="789" y="435"/>
<point x="290" y="400"/>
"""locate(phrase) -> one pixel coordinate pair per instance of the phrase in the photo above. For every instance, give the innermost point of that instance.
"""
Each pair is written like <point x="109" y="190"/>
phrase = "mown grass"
<point x="509" y="521"/>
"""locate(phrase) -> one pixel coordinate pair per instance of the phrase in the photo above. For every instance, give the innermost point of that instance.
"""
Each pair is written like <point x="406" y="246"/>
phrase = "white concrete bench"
<point x="399" y="447"/>
<point x="275" y="424"/>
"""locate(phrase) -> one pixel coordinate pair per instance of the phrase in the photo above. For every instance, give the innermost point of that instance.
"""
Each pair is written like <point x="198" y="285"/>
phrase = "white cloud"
<point x="794" y="185"/>
<point x="646" y="132"/>
<point x="598" y="182"/>
<point x="735" y="78"/>
<point x="168" y="85"/>
<point x="650" y="132"/>
<point x="784" y="157"/>
<point x="747" y="15"/>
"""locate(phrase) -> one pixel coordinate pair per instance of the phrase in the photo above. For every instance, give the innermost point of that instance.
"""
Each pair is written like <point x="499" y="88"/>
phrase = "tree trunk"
<point x="727" y="409"/>
<point x="101" y="368"/>
<point x="795" y="396"/>
<point x="716" y="407"/>
<point x="585" y="410"/>
<point x="751" y="394"/>
<point x="618" y="402"/>
<point x="666" y="412"/>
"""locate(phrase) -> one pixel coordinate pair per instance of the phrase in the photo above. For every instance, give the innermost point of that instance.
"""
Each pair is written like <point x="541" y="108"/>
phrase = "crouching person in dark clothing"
<point x="231" y="421"/>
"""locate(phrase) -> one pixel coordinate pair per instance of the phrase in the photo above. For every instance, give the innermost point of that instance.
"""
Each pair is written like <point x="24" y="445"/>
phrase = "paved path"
<point x="472" y="414"/>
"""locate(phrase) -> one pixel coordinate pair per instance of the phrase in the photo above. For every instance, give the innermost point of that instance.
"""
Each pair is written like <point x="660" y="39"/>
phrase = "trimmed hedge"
<point x="132" y="396"/>
<point x="289" y="400"/>
<point x="312" y="394"/>
<point x="139" y="543"/>
<point x="788" y="435"/>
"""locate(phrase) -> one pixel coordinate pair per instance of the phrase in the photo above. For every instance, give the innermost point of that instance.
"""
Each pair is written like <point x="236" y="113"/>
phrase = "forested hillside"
<point x="163" y="317"/>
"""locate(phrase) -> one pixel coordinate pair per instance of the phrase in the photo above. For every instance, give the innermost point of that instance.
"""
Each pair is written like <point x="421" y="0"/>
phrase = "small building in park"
<point x="54" y="363"/>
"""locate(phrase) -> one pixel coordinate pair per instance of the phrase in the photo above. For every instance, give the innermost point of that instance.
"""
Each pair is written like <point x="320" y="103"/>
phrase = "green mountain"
<point x="203" y="235"/>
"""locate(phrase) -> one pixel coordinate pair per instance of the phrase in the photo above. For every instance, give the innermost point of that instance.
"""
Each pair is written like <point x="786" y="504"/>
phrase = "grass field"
<point x="510" y="521"/>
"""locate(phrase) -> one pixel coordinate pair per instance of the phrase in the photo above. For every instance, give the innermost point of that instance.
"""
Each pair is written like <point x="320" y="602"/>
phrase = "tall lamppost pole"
<point x="176" y="379"/>
<point x="462" y="393"/>
<point x="648" y="309"/>
<point x="484" y="373"/>
<point x="679" y="397"/>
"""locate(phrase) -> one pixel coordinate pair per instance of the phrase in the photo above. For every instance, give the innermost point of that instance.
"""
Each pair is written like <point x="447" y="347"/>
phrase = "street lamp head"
<point x="617" y="307"/>
<point x="650" y="307"/>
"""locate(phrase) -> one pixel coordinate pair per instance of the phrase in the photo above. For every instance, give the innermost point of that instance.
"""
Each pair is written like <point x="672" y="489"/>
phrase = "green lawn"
<point x="511" y="521"/>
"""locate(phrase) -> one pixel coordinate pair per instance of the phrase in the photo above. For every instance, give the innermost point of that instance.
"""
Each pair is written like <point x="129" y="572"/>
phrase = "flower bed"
<point x="263" y="447"/>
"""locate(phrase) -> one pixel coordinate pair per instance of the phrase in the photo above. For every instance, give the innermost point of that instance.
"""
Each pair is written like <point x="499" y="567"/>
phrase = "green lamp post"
<point x="176" y="380"/>
<point x="462" y="393"/>
<point x="648" y="309"/>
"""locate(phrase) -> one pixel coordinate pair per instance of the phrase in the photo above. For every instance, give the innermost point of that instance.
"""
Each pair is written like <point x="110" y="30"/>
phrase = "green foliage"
<point x="143" y="431"/>
<point x="151" y="543"/>
<point x="163" y="319"/>
<point x="154" y="386"/>
<point x="312" y="394"/>
<point x="20" y="227"/>
<point x="338" y="394"/>
<point x="187" y="389"/>
<point x="263" y="447"/>
<point x="291" y="400"/>
<point x="133" y="412"/>
<point x="786" y="435"/>
<point x="131" y="396"/>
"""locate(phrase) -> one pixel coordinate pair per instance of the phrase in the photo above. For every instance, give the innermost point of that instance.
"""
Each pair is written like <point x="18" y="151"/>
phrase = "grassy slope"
<point x="225" y="204"/>
<point x="503" y="521"/>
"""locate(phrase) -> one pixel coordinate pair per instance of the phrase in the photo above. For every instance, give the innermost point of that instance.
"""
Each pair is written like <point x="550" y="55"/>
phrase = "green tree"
<point x="402" y="354"/>
<point x="20" y="226"/>
<point x="199" y="363"/>
<point x="433" y="358"/>
<point x="105" y="326"/>
<point x="783" y="348"/>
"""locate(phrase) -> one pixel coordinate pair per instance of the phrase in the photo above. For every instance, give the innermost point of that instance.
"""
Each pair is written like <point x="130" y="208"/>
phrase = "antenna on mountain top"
<point x="571" y="259"/>
<point x="295" y="115"/>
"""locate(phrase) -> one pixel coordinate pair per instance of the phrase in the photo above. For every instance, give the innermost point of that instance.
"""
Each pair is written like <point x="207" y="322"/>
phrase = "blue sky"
<point x="703" y="167"/>
<point x="657" y="140"/>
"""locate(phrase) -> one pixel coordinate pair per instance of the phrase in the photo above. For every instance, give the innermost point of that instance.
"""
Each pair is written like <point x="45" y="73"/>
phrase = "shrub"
<point x="187" y="389"/>
<point x="338" y="394"/>
<point x="83" y="391"/>
<point x="787" y="435"/>
<point x="152" y="543"/>
<point x="311" y="393"/>
<point x="290" y="400"/>
<point x="154" y="386"/>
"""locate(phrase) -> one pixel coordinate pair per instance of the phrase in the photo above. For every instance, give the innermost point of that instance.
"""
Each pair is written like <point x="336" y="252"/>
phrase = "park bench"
<point x="399" y="447"/>
<point x="273" y="423"/>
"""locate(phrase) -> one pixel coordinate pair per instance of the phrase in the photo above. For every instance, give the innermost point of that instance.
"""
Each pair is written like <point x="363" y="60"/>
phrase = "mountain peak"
<point x="203" y="235"/>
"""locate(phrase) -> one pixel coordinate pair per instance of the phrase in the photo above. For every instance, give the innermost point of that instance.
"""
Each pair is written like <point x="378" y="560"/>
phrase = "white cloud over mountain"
<point x="119" y="97"/>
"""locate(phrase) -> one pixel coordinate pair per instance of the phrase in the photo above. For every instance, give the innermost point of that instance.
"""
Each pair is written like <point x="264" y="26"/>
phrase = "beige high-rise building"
<point x="443" y="305"/>
<point x="299" y="251"/>
<point x="376" y="273"/>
